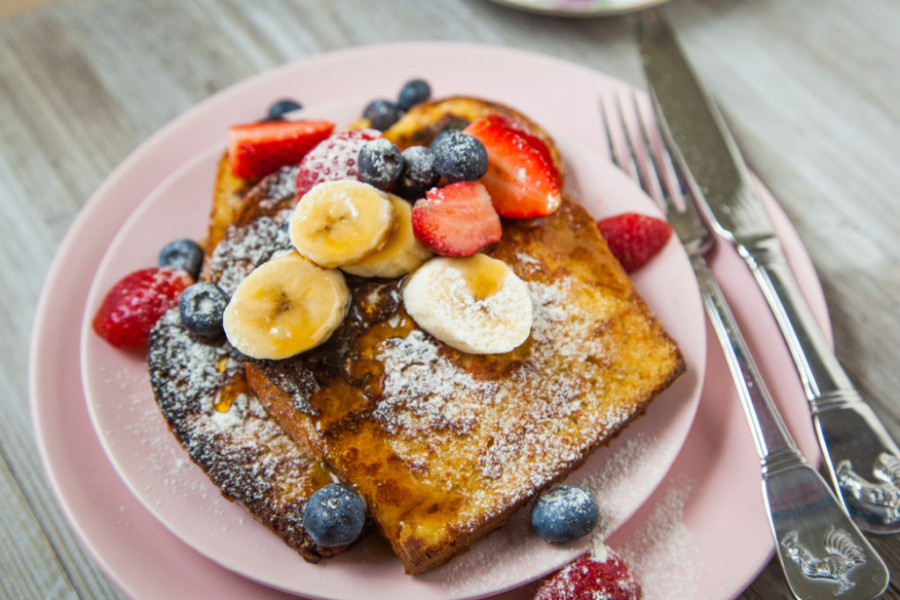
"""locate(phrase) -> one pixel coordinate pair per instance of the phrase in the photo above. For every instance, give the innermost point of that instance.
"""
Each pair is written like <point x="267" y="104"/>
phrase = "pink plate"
<point x="159" y="473"/>
<point x="681" y="542"/>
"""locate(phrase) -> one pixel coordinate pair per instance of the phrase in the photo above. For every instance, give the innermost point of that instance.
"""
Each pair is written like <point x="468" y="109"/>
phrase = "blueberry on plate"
<point x="182" y="254"/>
<point x="419" y="174"/>
<point x="564" y="514"/>
<point x="334" y="515"/>
<point x="413" y="92"/>
<point x="379" y="163"/>
<point x="381" y="113"/>
<point x="278" y="109"/>
<point x="460" y="157"/>
<point x="202" y="306"/>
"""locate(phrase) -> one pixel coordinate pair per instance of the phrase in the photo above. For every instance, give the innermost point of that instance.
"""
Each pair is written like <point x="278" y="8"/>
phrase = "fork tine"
<point x="622" y="120"/>
<point x="667" y="173"/>
<point x="615" y="138"/>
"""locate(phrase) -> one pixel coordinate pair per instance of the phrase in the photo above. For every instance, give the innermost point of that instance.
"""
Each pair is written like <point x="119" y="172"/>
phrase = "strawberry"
<point x="523" y="130"/>
<point x="258" y="149"/>
<point x="456" y="220"/>
<point x="521" y="179"/>
<point x="134" y="304"/>
<point x="591" y="577"/>
<point x="333" y="159"/>
<point x="634" y="238"/>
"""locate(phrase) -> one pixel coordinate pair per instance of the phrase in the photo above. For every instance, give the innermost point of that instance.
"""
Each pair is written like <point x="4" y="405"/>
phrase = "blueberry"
<point x="202" y="306"/>
<point x="381" y="113"/>
<point x="412" y="93"/>
<point x="379" y="163"/>
<point x="278" y="109"/>
<point x="460" y="157"/>
<point x="564" y="514"/>
<point x="453" y="124"/>
<point x="182" y="254"/>
<point x="334" y="515"/>
<point x="418" y="174"/>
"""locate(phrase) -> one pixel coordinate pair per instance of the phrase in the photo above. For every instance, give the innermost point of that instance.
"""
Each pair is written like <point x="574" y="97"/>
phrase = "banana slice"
<point x="340" y="222"/>
<point x="401" y="253"/>
<point x="284" y="307"/>
<point x="474" y="304"/>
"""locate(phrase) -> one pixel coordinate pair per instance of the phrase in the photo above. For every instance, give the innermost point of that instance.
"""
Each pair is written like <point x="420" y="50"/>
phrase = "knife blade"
<point x="863" y="460"/>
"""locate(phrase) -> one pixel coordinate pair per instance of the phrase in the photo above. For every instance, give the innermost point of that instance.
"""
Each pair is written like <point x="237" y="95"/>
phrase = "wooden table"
<point x="810" y="87"/>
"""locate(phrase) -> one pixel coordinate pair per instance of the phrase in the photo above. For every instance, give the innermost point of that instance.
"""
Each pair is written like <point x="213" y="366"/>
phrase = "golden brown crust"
<point x="228" y="194"/>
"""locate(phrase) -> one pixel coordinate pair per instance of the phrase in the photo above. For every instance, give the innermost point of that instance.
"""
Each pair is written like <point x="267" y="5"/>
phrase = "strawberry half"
<point x="591" y="577"/>
<point x="258" y="149"/>
<point x="456" y="220"/>
<point x="134" y="304"/>
<point x="521" y="179"/>
<point x="522" y="129"/>
<point x="333" y="159"/>
<point x="634" y="238"/>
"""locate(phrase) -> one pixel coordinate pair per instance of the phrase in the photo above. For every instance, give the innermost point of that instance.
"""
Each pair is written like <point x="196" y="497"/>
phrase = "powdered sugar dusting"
<point x="243" y="450"/>
<point x="526" y="415"/>
<point x="420" y="387"/>
<point x="243" y="249"/>
<point x="664" y="554"/>
<point x="333" y="159"/>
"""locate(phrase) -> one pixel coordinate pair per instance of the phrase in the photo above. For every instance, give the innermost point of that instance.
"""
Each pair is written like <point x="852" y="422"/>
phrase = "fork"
<point x="820" y="549"/>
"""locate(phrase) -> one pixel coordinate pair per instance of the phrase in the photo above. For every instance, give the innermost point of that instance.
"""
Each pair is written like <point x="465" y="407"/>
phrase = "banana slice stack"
<point x="294" y="302"/>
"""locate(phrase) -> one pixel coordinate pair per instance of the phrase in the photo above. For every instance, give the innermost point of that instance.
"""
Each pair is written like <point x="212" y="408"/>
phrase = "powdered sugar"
<point x="244" y="249"/>
<point x="664" y="553"/>
<point x="227" y="432"/>
<point x="333" y="159"/>
<point x="421" y="386"/>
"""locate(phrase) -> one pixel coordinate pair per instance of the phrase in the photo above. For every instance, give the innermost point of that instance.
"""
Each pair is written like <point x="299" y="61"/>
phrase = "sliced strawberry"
<point x="591" y="577"/>
<point x="456" y="220"/>
<point x="521" y="179"/>
<point x="523" y="130"/>
<point x="634" y="238"/>
<point x="333" y="159"/>
<point x="258" y="149"/>
<point x="134" y="304"/>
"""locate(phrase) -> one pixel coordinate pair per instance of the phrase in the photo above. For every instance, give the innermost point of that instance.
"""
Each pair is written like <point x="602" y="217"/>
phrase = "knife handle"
<point x="862" y="458"/>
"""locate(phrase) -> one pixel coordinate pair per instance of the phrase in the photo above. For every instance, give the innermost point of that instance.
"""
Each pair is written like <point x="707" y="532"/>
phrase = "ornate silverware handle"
<point x="822" y="552"/>
<point x="862" y="458"/>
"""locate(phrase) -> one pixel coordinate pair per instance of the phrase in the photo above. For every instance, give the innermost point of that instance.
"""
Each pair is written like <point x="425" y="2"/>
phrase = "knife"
<point x="862" y="459"/>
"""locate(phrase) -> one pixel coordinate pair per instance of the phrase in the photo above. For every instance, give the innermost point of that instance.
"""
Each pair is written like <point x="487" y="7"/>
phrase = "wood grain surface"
<point x="810" y="87"/>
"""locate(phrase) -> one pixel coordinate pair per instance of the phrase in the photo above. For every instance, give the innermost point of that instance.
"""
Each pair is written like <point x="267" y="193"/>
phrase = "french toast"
<point x="443" y="445"/>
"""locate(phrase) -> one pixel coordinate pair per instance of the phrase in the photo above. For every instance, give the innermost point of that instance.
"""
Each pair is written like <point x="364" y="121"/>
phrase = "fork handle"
<point x="862" y="459"/>
<point x="773" y="442"/>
